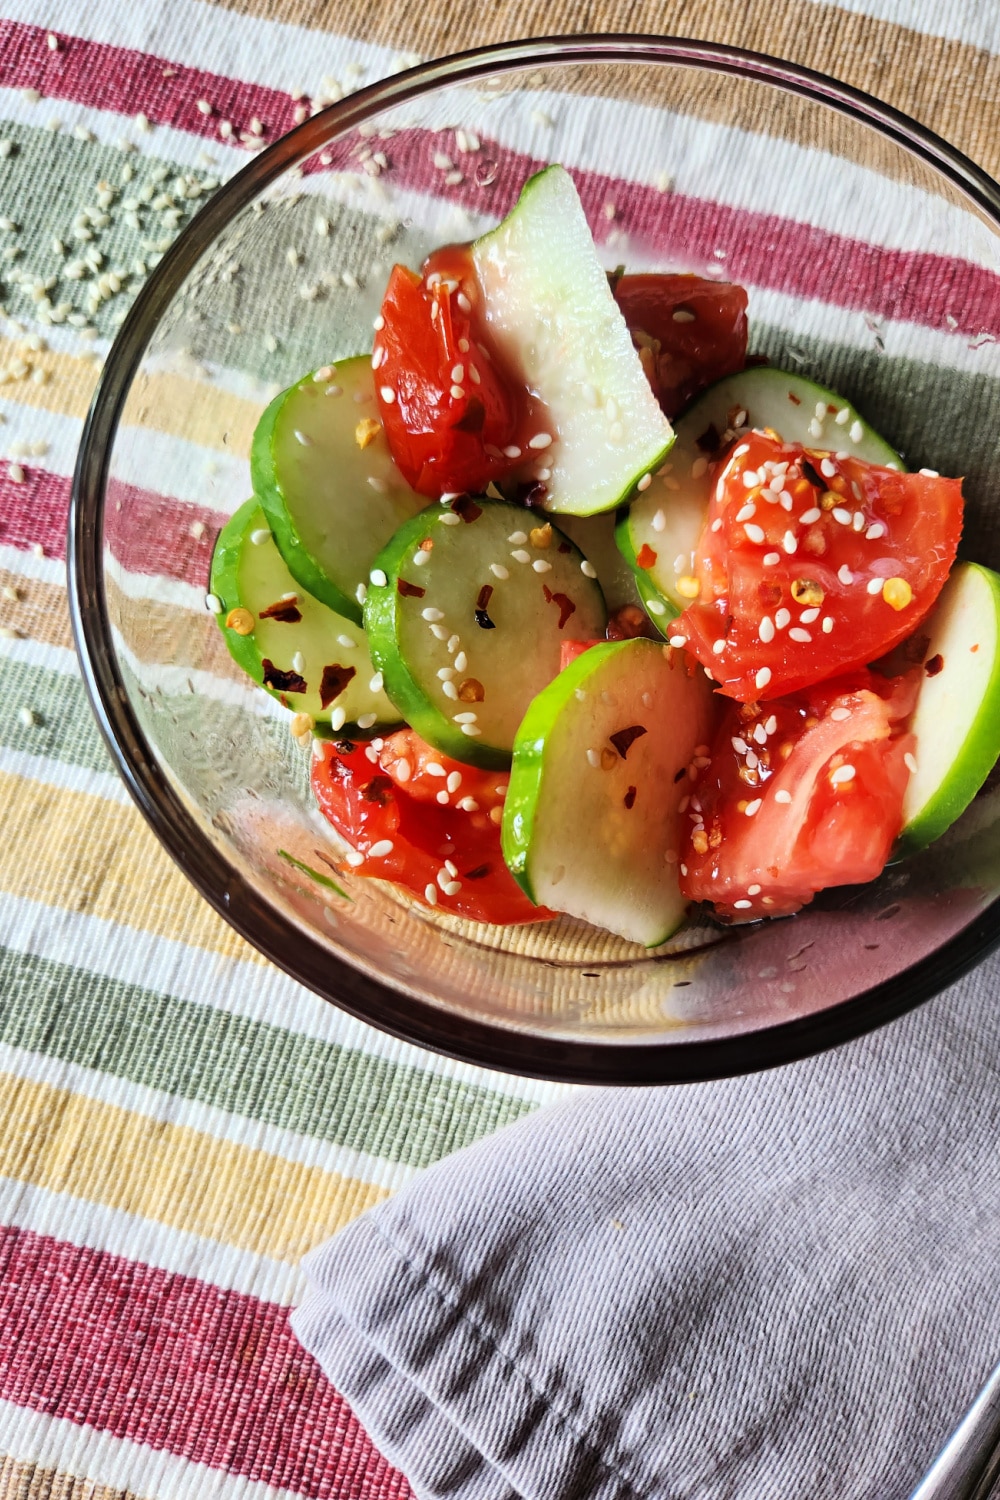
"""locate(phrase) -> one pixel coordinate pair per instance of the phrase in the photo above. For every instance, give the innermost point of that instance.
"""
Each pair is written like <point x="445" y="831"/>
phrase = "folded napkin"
<point x="778" y="1286"/>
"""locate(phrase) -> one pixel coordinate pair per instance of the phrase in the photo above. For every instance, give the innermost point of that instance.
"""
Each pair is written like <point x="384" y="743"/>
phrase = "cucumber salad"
<point x="583" y="611"/>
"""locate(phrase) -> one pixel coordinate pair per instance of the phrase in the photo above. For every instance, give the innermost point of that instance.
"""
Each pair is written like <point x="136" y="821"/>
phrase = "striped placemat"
<point x="181" y="1123"/>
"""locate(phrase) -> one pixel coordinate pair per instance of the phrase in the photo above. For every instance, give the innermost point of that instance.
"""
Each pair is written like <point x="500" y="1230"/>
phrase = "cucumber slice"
<point x="957" y="717"/>
<point x="552" y="314"/>
<point x="320" y="648"/>
<point x="595" y="537"/>
<point x="331" y="504"/>
<point x="591" y="820"/>
<point x="466" y="637"/>
<point x="668" y="517"/>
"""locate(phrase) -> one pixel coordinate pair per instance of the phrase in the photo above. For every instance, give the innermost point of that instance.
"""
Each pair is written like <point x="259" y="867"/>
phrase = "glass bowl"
<point x="871" y="251"/>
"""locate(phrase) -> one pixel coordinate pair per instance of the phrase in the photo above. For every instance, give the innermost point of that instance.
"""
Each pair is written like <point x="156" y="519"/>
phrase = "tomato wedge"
<point x="799" y="794"/>
<point x="398" y="803"/>
<point x="811" y="564"/>
<point x="447" y="406"/>
<point x="689" y="331"/>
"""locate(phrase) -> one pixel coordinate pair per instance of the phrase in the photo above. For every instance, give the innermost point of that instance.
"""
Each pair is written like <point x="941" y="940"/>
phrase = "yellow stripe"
<point x="24" y="1481"/>
<point x="172" y="1174"/>
<point x="77" y="851"/>
<point x="174" y="404"/>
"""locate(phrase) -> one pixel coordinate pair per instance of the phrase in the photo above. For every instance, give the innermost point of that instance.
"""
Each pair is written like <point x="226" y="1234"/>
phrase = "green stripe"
<point x="250" y="1068"/>
<point x="64" y="727"/>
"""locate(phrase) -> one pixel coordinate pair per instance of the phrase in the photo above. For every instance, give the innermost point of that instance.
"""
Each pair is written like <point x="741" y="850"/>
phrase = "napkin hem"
<point x="465" y="1376"/>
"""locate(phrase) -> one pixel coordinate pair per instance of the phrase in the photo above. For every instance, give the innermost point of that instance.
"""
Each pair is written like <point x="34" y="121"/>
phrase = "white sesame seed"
<point x="430" y="613"/>
<point x="766" y="629"/>
<point x="365" y="721"/>
<point x="457" y="392"/>
<point x="587" y="569"/>
<point x="771" y="559"/>
<point x="518" y="537"/>
<point x="659" y="521"/>
<point x="512" y="451"/>
<point x="541" y="566"/>
<point x="446" y="673"/>
<point x="751" y="478"/>
<point x="699" y="467"/>
<point x="519" y="555"/>
<point x="827" y="624"/>
<point x="463" y="302"/>
<point x="461" y="660"/>
<point x="15" y="473"/>
<point x="543" y="439"/>
<point x="808" y="616"/>
<point x="838" y="715"/>
<point x="449" y="518"/>
<point x="815" y="428"/>
<point x="858" y="521"/>
<point x="338" y="718"/>
<point x="753" y="890"/>
<point x="453" y="887"/>
<point x="809" y="517"/>
<point x="798" y="634"/>
<point x="346" y="641"/>
<point x="303" y="438"/>
<point x="454" y="781"/>
<point x="421" y="559"/>
<point x="677" y="641"/>
<point x="842" y="416"/>
<point x="782" y="796"/>
<point x="782" y="618"/>
<point x="742" y="905"/>
<point x="593" y="758"/>
<point x="739" y="744"/>
<point x="827" y="468"/>
<point x="388" y="394"/>
<point x="840" y="514"/>
<point x="298" y="663"/>
<point x="790" y="542"/>
<point x="378" y="578"/>
<point x="430" y="895"/>
<point x="655" y="607"/>
<point x="763" y="677"/>
<point x="856" y="432"/>
<point x="752" y="807"/>
<point x="381" y="849"/>
<point x="375" y="685"/>
<point x="875" y="530"/>
<point x="450" y="690"/>
<point x="465" y="718"/>
<point x="354" y="859"/>
<point x="845" y="575"/>
<point x="378" y="485"/>
<point x="499" y="571"/>
<point x="754" y="533"/>
<point x="471" y="730"/>
<point x="468" y="804"/>
<point x="718" y="647"/>
<point x="213" y="603"/>
<point x="910" y="763"/>
<point x="683" y="315"/>
<point x="842" y="775"/>
<point x="747" y="513"/>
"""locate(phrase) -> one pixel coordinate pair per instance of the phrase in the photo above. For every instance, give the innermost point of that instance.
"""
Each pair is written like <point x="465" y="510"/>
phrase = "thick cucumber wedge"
<point x="591" y="823"/>
<point x="466" y="613"/>
<point x="664" y="523"/>
<point x="310" y="658"/>
<point x="330" y="502"/>
<point x="595" y="537"/>
<point x="957" y="717"/>
<point x="556" y="323"/>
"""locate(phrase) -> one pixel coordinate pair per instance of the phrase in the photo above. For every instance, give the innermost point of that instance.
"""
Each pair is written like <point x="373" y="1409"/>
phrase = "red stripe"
<point x="762" y="249"/>
<point x="150" y="533"/>
<point x="208" y="1375"/>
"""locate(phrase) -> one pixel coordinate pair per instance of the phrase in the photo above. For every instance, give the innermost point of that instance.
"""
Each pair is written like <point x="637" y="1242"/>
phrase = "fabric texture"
<point x="181" y="1124"/>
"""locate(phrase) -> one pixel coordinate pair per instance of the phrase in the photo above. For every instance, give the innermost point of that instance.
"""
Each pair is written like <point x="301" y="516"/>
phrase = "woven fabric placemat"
<point x="181" y="1123"/>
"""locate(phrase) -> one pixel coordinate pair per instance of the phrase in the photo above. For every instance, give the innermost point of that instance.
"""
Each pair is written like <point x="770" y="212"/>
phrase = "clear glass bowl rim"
<point x="305" y="959"/>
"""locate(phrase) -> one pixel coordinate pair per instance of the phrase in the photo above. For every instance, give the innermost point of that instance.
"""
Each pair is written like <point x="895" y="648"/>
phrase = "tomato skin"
<point x="388" y="794"/>
<point x="442" y="442"/>
<point x="682" y="357"/>
<point x="761" y="548"/>
<point x="770" y="820"/>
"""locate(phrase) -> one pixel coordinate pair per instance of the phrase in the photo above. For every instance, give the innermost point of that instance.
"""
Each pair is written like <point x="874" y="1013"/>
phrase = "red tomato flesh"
<point x="689" y="332"/>
<point x="391" y="792"/>
<point x="449" y="407"/>
<point x="801" y="793"/>
<point x="811" y="564"/>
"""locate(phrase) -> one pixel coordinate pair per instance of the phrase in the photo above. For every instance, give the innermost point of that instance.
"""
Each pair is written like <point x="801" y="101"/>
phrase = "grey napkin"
<point x="779" y="1286"/>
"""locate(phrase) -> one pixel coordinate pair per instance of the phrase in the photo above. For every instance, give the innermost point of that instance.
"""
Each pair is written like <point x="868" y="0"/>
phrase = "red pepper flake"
<point x="709" y="440"/>
<point x="564" y="547"/>
<point x="409" y="590"/>
<point x="565" y="603"/>
<point x="482" y="605"/>
<point x="282" y="682"/>
<point x="334" y="680"/>
<point x="426" y="545"/>
<point x="379" y="790"/>
<point x="285" y="610"/>
<point x="467" y="508"/>
<point x="646" y="557"/>
<point x="629" y="798"/>
<point x="934" y="666"/>
<point x="624" y="739"/>
<point x="795" y="400"/>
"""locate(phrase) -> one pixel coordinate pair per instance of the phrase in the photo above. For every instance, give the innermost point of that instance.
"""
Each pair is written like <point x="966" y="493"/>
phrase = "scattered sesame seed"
<point x="15" y="473"/>
<point x="541" y="566"/>
<point x="910" y="763"/>
<point x="298" y="663"/>
<point x="375" y="685"/>
<point x="365" y="721"/>
<point x="213" y="604"/>
<point x="811" y="516"/>
<point x="465" y="718"/>
<point x="593" y="758"/>
<point x="354" y="859"/>
<point x="449" y="518"/>
<point x="752" y="807"/>
<point x="388" y="394"/>
<point x="743" y="905"/>
<point x="520" y="555"/>
<point x="587" y="569"/>
<point x="699" y="467"/>
<point x="790" y="542"/>
<point x="827" y="624"/>
<point x="929" y="473"/>
<point x="754" y="534"/>
<point x="450" y="690"/>
<point x="815" y="428"/>
<point x="771" y="559"/>
<point x="471" y="730"/>
<point x="763" y="677"/>
<point x="842" y="775"/>
<point x="808" y="616"/>
<point x="827" y="468"/>
<point x="32" y="96"/>
<point x="382" y="848"/>
<point x="656" y="607"/>
<point x="461" y="660"/>
<point x="845" y="575"/>
<point x="446" y="673"/>
<point x="856" y="432"/>
<point x="840" y="514"/>
<point x="874" y="586"/>
<point x="378" y="578"/>
<point x="798" y="634"/>
<point x="430" y="895"/>
<point x="766" y="629"/>
<point x="677" y="641"/>
<point x="453" y="887"/>
<point x="454" y="781"/>
<point x="499" y="571"/>
<point x="683" y="315"/>
<point x="430" y="613"/>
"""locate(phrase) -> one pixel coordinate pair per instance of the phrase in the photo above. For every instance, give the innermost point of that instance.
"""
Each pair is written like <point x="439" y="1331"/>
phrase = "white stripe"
<point x="258" y="992"/>
<point x="59" y="773"/>
<point x="23" y="562"/>
<point x="969" y="21"/>
<point x="205" y="1119"/>
<point x="93" y="1226"/>
<point x="31" y="1437"/>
